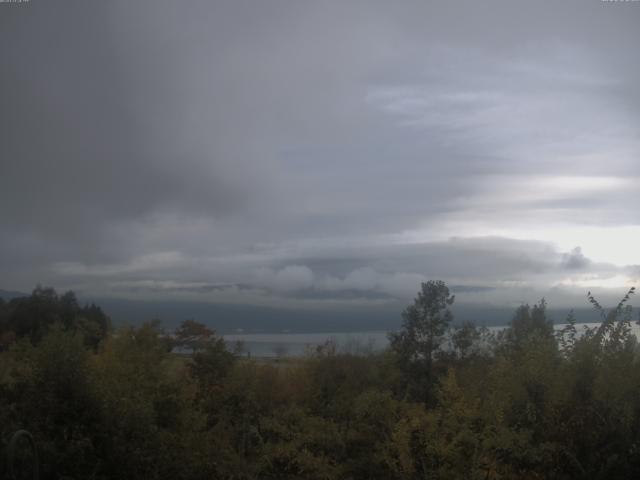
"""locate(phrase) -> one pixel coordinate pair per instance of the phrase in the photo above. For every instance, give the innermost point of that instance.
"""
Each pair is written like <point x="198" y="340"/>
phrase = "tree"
<point x="529" y="324"/>
<point x="35" y="315"/>
<point x="423" y="328"/>
<point x="464" y="338"/>
<point x="58" y="404"/>
<point x="211" y="364"/>
<point x="193" y="335"/>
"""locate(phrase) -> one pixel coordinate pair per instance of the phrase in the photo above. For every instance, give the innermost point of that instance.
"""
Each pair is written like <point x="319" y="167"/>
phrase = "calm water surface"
<point x="296" y="344"/>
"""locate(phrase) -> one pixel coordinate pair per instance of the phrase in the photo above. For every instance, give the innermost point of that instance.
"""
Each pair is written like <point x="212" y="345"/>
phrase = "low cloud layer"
<point x="485" y="270"/>
<point x="325" y="154"/>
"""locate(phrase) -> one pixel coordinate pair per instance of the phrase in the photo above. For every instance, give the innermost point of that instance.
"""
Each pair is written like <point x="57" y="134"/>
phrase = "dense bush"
<point x="527" y="403"/>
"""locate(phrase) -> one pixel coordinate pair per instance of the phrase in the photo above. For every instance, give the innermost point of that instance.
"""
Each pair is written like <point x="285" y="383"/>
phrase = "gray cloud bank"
<point x="319" y="154"/>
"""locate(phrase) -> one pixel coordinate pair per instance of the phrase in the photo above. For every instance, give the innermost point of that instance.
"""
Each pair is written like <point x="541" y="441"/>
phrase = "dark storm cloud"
<point x="244" y="151"/>
<point x="77" y="121"/>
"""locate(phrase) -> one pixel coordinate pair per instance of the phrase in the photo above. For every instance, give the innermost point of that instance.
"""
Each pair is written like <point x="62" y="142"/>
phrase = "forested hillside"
<point x="442" y="402"/>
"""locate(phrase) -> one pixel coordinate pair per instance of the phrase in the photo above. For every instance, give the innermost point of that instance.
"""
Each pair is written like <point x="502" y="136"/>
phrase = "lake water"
<point x="272" y="345"/>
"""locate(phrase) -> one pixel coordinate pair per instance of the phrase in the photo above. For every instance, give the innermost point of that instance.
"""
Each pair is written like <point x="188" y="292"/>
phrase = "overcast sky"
<point x="316" y="153"/>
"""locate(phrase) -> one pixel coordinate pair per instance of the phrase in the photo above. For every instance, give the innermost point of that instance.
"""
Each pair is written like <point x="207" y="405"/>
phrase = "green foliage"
<point x="33" y="316"/>
<point x="193" y="335"/>
<point x="466" y="339"/>
<point x="424" y="326"/>
<point x="523" y="404"/>
<point x="529" y="324"/>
